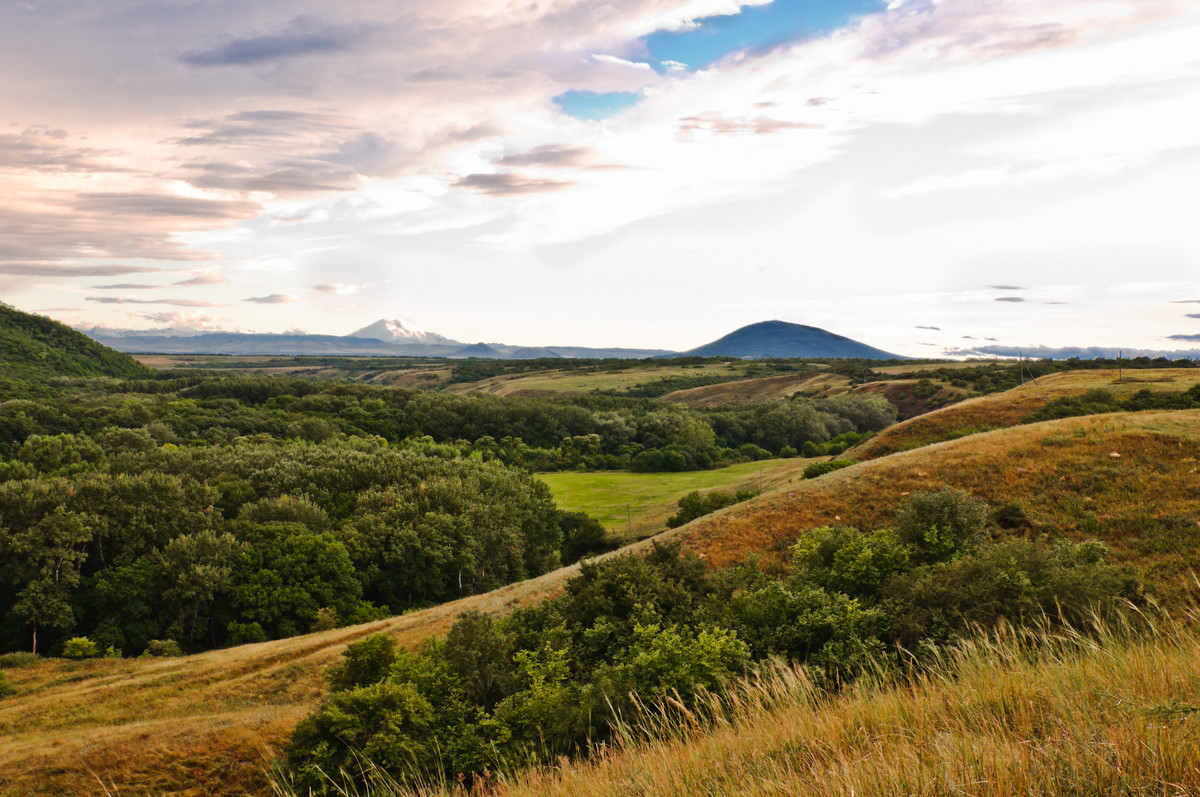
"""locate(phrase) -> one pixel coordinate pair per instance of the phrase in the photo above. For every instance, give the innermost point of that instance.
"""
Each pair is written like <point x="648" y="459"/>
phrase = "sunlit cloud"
<point x="274" y="298"/>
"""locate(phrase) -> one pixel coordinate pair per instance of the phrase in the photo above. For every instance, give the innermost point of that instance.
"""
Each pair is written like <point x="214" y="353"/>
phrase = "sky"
<point x="926" y="176"/>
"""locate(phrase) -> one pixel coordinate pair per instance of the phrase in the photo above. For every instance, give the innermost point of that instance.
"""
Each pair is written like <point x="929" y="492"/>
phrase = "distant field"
<point x="636" y="505"/>
<point x="746" y="391"/>
<point x="587" y="379"/>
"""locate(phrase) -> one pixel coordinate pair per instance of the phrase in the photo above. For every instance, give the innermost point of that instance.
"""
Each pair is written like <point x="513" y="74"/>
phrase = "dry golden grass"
<point x="1001" y="410"/>
<point x="1106" y="715"/>
<point x="1144" y="504"/>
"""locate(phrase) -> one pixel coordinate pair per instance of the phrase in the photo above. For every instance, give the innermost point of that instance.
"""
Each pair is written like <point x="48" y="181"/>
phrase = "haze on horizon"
<point x="921" y="175"/>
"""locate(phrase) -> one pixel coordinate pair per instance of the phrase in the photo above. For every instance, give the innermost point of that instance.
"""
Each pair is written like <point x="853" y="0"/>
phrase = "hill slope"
<point x="36" y="347"/>
<point x="781" y="339"/>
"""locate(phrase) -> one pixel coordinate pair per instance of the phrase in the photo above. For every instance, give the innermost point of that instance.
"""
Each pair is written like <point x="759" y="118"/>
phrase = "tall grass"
<point x="1114" y="710"/>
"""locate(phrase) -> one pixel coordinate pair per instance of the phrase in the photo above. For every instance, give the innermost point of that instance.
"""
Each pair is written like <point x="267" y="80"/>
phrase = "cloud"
<point x="337" y="289"/>
<point x="162" y="205"/>
<point x="183" y="319"/>
<point x="45" y="149"/>
<point x="73" y="269"/>
<point x="304" y="36"/>
<point x="204" y="278"/>
<point x="128" y="286"/>
<point x="509" y="184"/>
<point x="935" y="329"/>
<point x="1185" y="301"/>
<point x="172" y="302"/>
<point x="1183" y="337"/>
<point x="717" y="124"/>
<point x="1013" y="299"/>
<point x="553" y="155"/>
<point x="1192" y="315"/>
<point x="1007" y="288"/>
<point x="274" y="298"/>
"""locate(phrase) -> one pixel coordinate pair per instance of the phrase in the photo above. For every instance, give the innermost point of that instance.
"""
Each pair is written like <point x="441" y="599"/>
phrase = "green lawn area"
<point x="636" y="505"/>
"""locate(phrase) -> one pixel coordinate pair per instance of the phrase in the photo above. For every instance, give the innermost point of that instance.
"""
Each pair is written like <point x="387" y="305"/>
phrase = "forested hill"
<point x="35" y="347"/>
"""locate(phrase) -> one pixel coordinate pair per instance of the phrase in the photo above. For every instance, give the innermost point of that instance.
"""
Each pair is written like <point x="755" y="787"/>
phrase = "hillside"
<point x="172" y="725"/>
<point x="36" y="347"/>
<point x="781" y="339"/>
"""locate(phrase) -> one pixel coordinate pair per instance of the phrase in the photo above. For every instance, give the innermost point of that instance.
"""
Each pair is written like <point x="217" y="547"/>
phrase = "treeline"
<point x="588" y="432"/>
<point x="126" y="540"/>
<point x="661" y="630"/>
<point x="1102" y="400"/>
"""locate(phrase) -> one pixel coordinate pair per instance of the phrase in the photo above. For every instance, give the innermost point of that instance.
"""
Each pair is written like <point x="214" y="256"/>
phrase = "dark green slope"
<point x="35" y="347"/>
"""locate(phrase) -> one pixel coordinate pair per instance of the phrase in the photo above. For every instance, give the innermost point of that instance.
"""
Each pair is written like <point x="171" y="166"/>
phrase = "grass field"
<point x="199" y="725"/>
<point x="635" y="505"/>
<point x="587" y="379"/>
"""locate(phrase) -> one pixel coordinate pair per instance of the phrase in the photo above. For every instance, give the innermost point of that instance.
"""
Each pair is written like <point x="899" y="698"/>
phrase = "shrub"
<point x="364" y="662"/>
<point x="163" y="647"/>
<point x="941" y="525"/>
<point x="5" y="687"/>
<point x="327" y="619"/>
<point x="821" y="468"/>
<point x="21" y="658"/>
<point x="80" y="647"/>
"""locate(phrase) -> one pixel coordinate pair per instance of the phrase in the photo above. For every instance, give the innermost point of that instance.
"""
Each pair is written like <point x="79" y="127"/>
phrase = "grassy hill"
<point x="36" y="347"/>
<point x="202" y="724"/>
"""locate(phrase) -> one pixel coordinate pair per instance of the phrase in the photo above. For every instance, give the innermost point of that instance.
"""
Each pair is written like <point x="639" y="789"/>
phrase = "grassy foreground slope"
<point x="1115" y="718"/>
<point x="200" y="725"/>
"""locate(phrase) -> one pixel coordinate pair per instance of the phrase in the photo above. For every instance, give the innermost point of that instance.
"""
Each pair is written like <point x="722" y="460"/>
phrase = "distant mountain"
<point x="36" y="347"/>
<point x="400" y="331"/>
<point x="1067" y="352"/>
<point x="247" y="343"/>
<point x="782" y="340"/>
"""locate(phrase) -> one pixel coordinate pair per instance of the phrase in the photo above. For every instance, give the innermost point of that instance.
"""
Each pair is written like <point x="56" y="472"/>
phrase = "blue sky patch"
<point x="593" y="105"/>
<point x="756" y="27"/>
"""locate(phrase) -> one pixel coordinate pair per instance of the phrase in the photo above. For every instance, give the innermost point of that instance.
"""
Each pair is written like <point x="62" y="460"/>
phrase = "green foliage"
<point x="163" y="648"/>
<point x="942" y="525"/>
<point x="582" y="535"/>
<point x="367" y="661"/>
<point x="844" y="560"/>
<point x="35" y="347"/>
<point x="657" y="632"/>
<point x="1102" y="400"/>
<point x="80" y="647"/>
<point x="6" y="688"/>
<point x="695" y="504"/>
<point x="16" y="659"/>
<point x="829" y="466"/>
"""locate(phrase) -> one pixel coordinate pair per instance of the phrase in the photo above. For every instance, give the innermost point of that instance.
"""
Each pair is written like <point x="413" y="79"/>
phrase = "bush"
<point x="694" y="505"/>
<point x="163" y="647"/>
<point x="821" y="468"/>
<point x="80" y="647"/>
<point x="22" y="658"/>
<point x="941" y="525"/>
<point x="5" y="687"/>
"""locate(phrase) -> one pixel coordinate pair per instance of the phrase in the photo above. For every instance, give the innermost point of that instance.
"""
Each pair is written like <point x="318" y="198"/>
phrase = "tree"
<point x="50" y="554"/>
